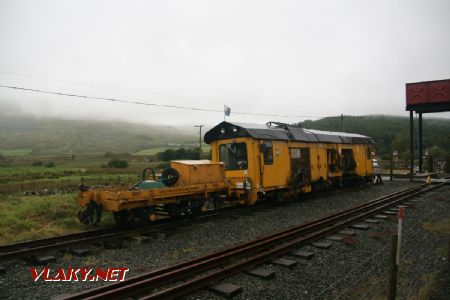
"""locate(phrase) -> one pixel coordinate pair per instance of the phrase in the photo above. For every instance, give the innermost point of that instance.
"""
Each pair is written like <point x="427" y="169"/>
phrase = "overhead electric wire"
<point x="146" y="103"/>
<point x="94" y="85"/>
<point x="142" y="91"/>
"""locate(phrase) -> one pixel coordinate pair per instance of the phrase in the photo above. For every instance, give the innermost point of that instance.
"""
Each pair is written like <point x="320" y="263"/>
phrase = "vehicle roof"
<point x="284" y="133"/>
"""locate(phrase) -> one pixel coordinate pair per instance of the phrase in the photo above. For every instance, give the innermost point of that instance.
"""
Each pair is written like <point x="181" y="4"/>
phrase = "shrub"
<point x="118" y="163"/>
<point x="181" y="153"/>
<point x="37" y="163"/>
<point x="108" y="154"/>
<point x="437" y="152"/>
<point x="49" y="164"/>
<point x="167" y="155"/>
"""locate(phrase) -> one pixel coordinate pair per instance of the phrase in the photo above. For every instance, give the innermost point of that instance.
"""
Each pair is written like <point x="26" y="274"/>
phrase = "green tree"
<point x="194" y="153"/>
<point x="437" y="152"/>
<point x="180" y="153"/>
<point x="118" y="163"/>
<point x="401" y="142"/>
<point x="166" y="155"/>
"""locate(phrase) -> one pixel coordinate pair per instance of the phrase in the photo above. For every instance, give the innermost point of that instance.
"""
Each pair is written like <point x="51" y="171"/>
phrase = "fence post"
<point x="393" y="268"/>
<point x="391" y="167"/>
<point x="448" y="249"/>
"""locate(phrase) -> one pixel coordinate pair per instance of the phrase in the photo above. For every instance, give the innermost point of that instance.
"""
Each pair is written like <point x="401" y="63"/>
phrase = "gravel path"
<point x="349" y="270"/>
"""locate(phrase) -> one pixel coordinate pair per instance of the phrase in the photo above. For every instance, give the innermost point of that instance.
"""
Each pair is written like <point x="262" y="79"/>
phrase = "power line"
<point x="107" y="99"/>
<point x="146" y="103"/>
<point x="94" y="85"/>
<point x="136" y="90"/>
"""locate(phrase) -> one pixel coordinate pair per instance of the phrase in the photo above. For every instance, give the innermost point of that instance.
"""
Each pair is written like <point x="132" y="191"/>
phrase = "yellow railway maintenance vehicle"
<point x="281" y="161"/>
<point x="249" y="163"/>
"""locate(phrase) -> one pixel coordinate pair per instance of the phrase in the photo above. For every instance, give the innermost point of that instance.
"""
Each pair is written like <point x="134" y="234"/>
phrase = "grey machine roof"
<point x="284" y="132"/>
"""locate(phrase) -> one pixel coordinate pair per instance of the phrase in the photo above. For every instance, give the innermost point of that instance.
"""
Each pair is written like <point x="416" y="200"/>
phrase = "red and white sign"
<point x="401" y="215"/>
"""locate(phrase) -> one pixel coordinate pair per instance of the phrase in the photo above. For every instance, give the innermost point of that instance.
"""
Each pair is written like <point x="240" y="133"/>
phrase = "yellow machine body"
<point x="274" y="165"/>
<point x="248" y="164"/>
<point x="199" y="171"/>
<point x="198" y="181"/>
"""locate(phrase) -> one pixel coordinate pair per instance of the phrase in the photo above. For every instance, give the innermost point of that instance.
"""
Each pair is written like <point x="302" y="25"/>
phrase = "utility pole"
<point x="200" y="141"/>
<point x="342" y="122"/>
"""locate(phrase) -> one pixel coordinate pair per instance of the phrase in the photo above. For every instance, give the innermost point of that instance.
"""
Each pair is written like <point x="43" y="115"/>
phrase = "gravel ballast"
<point x="356" y="266"/>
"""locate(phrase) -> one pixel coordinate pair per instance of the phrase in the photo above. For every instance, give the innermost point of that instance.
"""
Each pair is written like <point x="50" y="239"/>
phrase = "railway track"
<point x="192" y="275"/>
<point x="34" y="247"/>
<point x="21" y="249"/>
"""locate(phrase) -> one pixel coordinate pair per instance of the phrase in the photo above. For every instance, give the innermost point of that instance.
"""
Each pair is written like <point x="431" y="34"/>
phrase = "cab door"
<point x="300" y="165"/>
<point x="266" y="163"/>
<point x="274" y="163"/>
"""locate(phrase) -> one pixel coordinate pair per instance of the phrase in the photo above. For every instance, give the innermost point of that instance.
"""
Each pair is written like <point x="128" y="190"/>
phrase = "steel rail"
<point x="29" y="248"/>
<point x="161" y="277"/>
<point x="53" y="240"/>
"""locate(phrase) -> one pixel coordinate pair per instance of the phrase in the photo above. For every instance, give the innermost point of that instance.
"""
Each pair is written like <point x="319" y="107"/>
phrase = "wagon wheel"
<point x="92" y="215"/>
<point x="215" y="202"/>
<point x="124" y="218"/>
<point x="195" y="207"/>
<point x="174" y="210"/>
<point x="146" y="215"/>
<point x="280" y="196"/>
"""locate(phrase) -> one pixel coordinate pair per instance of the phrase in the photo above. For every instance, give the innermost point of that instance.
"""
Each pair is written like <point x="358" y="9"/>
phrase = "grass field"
<point x="154" y="150"/>
<point x="20" y="176"/>
<point x="32" y="217"/>
<point x="26" y="218"/>
<point x="27" y="170"/>
<point x="15" y="152"/>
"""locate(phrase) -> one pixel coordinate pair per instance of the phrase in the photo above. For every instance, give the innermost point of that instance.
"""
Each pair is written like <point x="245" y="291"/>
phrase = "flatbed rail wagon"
<point x="187" y="187"/>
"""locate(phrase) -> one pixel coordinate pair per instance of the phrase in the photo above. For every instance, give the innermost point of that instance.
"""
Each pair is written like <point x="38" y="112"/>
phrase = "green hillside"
<point x="21" y="135"/>
<point x="24" y="135"/>
<point x="391" y="132"/>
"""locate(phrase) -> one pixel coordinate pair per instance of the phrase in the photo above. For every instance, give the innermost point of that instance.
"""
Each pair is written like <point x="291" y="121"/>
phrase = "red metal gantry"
<point x="425" y="97"/>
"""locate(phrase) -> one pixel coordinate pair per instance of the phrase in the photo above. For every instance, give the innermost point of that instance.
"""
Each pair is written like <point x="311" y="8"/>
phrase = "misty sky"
<point x="298" y="58"/>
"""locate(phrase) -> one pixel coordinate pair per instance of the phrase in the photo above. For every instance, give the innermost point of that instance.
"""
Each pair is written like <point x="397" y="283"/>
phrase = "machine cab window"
<point x="267" y="149"/>
<point x="234" y="156"/>
<point x="369" y="153"/>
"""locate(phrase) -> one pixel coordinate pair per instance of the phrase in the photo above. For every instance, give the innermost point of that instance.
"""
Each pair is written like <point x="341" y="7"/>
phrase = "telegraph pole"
<point x="200" y="140"/>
